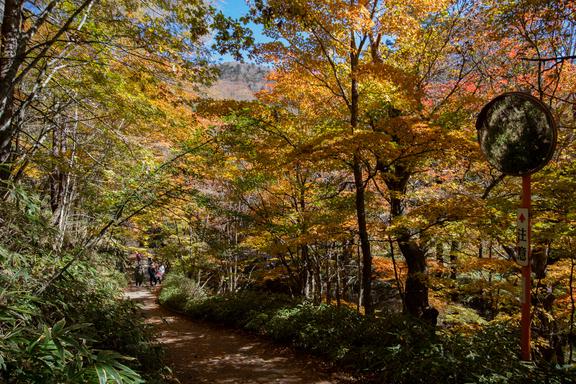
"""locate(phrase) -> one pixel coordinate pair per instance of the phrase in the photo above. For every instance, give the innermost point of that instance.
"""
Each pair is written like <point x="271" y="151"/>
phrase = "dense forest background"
<point x="342" y="169"/>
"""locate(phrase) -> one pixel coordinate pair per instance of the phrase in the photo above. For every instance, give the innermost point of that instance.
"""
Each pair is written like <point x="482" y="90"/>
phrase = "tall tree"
<point x="19" y="54"/>
<point x="41" y="39"/>
<point x="328" y="40"/>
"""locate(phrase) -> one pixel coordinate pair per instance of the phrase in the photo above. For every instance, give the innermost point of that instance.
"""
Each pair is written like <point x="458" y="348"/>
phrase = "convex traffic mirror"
<point x="517" y="133"/>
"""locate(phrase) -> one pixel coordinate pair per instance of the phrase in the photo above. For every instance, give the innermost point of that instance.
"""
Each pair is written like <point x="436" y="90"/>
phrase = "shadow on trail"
<point x="205" y="353"/>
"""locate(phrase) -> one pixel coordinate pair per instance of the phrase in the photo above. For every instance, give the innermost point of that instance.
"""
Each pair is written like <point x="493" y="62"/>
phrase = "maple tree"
<point x="383" y="87"/>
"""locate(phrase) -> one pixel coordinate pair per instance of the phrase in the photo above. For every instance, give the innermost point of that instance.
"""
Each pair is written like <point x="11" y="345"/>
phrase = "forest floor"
<point x="199" y="352"/>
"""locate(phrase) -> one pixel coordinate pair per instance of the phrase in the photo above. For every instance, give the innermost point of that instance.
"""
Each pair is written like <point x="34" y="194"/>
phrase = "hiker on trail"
<point x="139" y="274"/>
<point x="152" y="272"/>
<point x="138" y="257"/>
<point x="160" y="273"/>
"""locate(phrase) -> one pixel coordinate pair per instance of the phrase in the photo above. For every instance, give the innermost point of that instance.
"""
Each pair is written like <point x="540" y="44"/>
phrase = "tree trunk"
<point x="308" y="270"/>
<point x="396" y="276"/>
<point x="328" y="277"/>
<point x="440" y="253"/>
<point x="307" y="273"/>
<point x="338" y="281"/>
<point x="347" y="255"/>
<point x="359" y="302"/>
<point x="416" y="288"/>
<point x="353" y="106"/>
<point x="454" y="249"/>
<point x="307" y="284"/>
<point x="62" y="182"/>
<point x="9" y="57"/>
<point x="317" y="283"/>
<point x="294" y="276"/>
<point x="364" y="240"/>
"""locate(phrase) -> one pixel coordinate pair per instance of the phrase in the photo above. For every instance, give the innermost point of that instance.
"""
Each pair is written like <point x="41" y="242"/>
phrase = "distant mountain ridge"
<point x="238" y="81"/>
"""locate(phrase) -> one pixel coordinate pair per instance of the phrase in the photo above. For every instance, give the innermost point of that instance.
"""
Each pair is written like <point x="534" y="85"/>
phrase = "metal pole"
<point x="526" y="276"/>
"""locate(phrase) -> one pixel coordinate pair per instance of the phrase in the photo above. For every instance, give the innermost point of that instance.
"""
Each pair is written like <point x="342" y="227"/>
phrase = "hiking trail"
<point x="199" y="352"/>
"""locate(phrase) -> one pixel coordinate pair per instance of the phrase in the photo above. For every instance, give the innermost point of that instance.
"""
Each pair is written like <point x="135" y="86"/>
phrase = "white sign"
<point x="522" y="236"/>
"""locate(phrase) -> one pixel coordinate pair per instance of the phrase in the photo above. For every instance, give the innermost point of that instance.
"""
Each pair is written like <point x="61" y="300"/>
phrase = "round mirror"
<point x="517" y="133"/>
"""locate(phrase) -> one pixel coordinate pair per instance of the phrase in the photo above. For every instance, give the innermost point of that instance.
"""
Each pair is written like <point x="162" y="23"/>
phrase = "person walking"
<point x="160" y="273"/>
<point x="139" y="274"/>
<point x="152" y="272"/>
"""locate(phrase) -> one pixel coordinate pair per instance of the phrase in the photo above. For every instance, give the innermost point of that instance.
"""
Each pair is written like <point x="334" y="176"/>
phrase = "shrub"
<point x="238" y="309"/>
<point x="79" y="330"/>
<point x="394" y="349"/>
<point x="177" y="289"/>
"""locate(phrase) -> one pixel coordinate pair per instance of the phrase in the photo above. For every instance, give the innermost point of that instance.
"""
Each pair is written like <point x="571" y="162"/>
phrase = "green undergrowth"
<point x="389" y="349"/>
<point x="79" y="329"/>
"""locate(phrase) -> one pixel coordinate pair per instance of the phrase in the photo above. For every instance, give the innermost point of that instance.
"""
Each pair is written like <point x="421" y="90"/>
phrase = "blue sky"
<point x="233" y="8"/>
<point x="236" y="9"/>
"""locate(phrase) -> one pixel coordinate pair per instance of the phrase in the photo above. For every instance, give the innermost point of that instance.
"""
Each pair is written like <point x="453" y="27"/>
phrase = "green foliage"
<point x="79" y="330"/>
<point x="390" y="349"/>
<point x="246" y="308"/>
<point x="177" y="290"/>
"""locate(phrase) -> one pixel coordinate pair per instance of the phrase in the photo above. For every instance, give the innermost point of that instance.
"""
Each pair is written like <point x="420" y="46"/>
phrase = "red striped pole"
<point x="526" y="275"/>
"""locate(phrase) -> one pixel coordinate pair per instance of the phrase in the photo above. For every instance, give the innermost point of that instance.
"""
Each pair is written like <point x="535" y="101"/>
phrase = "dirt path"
<point x="205" y="353"/>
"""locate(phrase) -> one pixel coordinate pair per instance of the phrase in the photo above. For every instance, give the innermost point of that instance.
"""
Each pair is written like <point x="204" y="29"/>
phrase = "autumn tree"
<point x="41" y="41"/>
<point x="393" y="68"/>
<point x="329" y="40"/>
<point x="282" y="198"/>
